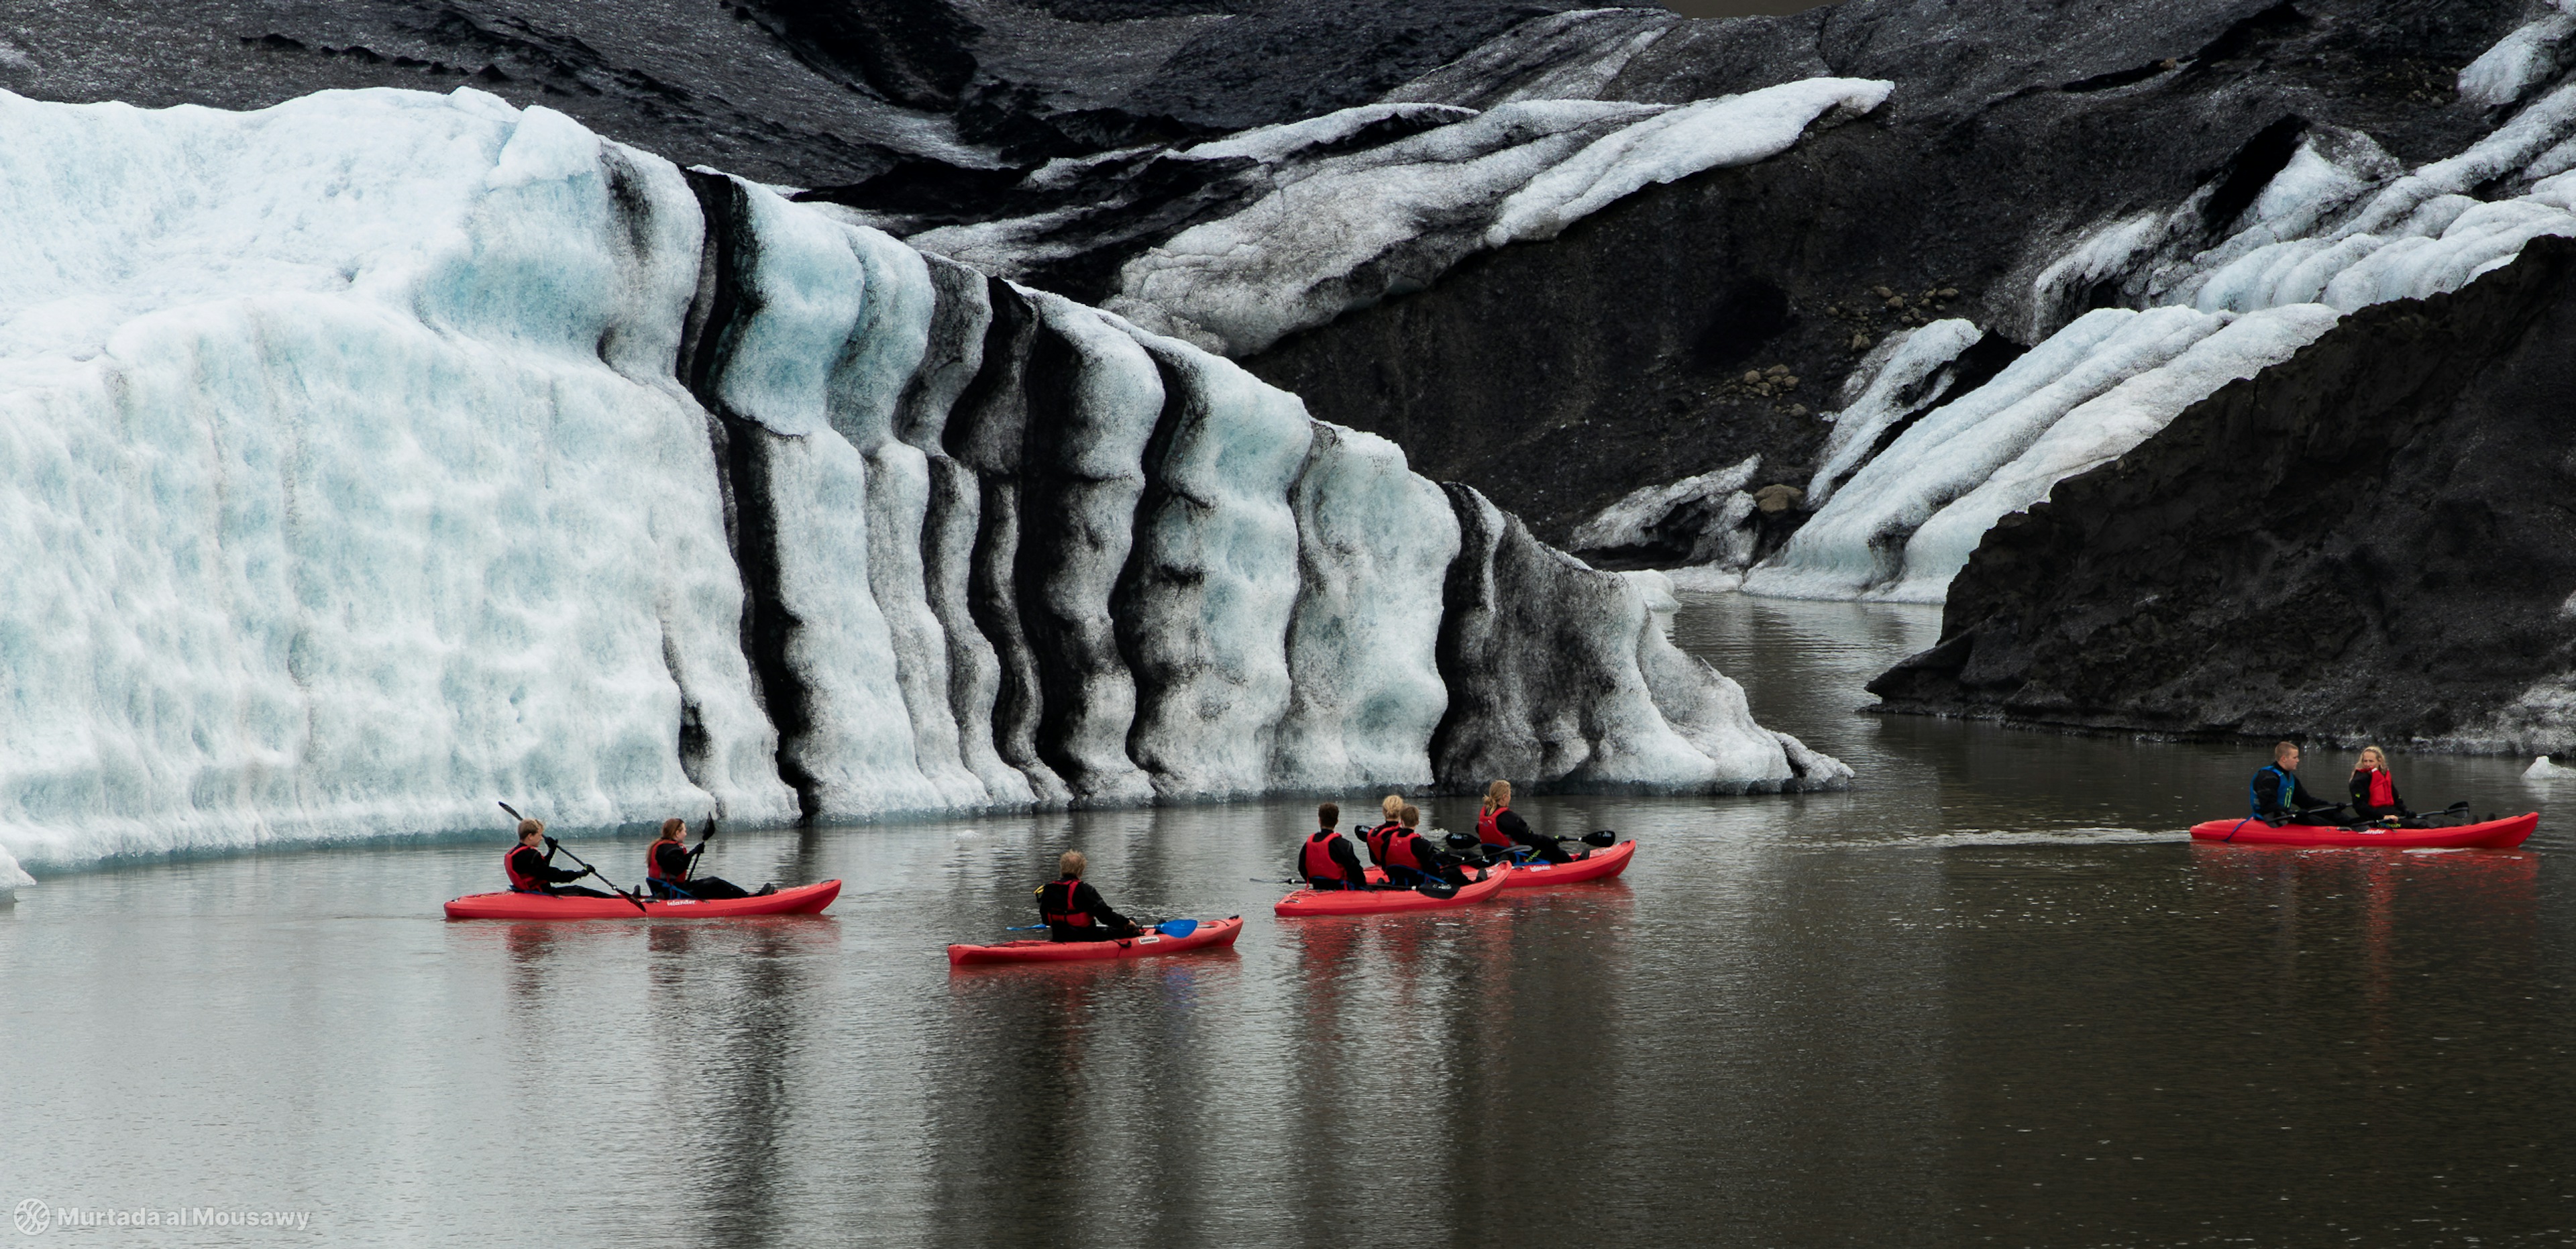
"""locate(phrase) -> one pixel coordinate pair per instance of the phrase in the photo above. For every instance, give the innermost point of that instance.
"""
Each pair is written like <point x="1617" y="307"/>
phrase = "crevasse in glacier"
<point x="372" y="456"/>
<point x="2339" y="227"/>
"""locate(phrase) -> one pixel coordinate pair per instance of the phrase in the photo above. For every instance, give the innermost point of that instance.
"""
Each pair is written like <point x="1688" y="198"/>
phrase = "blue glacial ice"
<point x="372" y="456"/>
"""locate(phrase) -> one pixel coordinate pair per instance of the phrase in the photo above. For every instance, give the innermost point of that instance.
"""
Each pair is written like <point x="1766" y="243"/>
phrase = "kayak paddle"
<point x="552" y="846"/>
<point x="705" y="835"/>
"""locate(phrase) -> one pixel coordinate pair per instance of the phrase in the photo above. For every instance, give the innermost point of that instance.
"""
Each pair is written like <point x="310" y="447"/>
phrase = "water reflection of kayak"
<point x="2496" y="834"/>
<point x="1603" y="865"/>
<point x="801" y="900"/>
<point x="1210" y="934"/>
<point x="1382" y="901"/>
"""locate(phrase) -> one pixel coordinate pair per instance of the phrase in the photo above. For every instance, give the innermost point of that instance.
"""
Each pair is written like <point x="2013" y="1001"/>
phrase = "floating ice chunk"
<point x="1903" y="381"/>
<point x="2098" y="431"/>
<point x="2542" y="769"/>
<point x="1710" y="134"/>
<point x="12" y="878"/>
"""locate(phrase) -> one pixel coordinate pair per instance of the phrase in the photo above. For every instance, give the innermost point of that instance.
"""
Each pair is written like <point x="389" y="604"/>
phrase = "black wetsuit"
<point x="2363" y="808"/>
<point x="532" y="865"/>
<point x="1510" y="824"/>
<point x="1080" y="913"/>
<point x="673" y="860"/>
<point x="1339" y="848"/>
<point x="2278" y="796"/>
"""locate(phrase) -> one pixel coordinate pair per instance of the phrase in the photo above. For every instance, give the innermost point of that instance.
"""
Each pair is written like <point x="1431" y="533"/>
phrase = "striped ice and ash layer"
<point x="370" y="457"/>
<point x="1320" y="229"/>
<point x="2341" y="226"/>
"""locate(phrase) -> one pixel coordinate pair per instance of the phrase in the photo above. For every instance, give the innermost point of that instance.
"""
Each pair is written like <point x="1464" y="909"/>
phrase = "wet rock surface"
<point x="2369" y="541"/>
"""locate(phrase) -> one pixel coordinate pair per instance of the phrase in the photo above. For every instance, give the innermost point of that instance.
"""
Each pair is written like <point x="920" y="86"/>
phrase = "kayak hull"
<point x="1603" y="865"/>
<point x="802" y="900"/>
<point x="2492" y="834"/>
<point x="1312" y="902"/>
<point x="1215" y="934"/>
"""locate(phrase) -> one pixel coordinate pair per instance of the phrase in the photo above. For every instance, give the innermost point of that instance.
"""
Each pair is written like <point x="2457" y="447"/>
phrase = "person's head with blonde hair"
<point x="1071" y="863"/>
<point x="1498" y="795"/>
<point x="2371" y="757"/>
<point x="1391" y="804"/>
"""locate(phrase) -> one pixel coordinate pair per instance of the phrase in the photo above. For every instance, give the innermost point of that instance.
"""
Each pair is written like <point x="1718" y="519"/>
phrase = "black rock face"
<point x="1558" y="376"/>
<point x="2370" y="540"/>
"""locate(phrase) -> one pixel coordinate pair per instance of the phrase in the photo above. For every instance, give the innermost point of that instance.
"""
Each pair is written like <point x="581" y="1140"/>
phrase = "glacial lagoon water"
<point x="1991" y="996"/>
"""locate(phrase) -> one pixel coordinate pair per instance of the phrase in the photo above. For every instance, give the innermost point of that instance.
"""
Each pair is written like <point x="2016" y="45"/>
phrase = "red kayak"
<point x="1383" y="901"/>
<point x="1215" y="934"/>
<point x="801" y="900"/>
<point x="1603" y="865"/>
<point x="2493" y="834"/>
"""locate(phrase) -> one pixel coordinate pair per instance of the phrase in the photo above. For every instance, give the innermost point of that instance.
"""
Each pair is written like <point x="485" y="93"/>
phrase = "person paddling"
<point x="532" y="870"/>
<point x="1326" y="859"/>
<point x="2279" y="799"/>
<point x="2374" y="789"/>
<point x="1411" y="859"/>
<point x="666" y="869"/>
<point x="1074" y="911"/>
<point x="1498" y="825"/>
<point x="1387" y="829"/>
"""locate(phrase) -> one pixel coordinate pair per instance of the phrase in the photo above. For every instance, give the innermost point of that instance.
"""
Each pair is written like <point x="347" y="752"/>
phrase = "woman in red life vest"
<point x="531" y="869"/>
<point x="2374" y="788"/>
<point x="1075" y="911"/>
<point x="667" y="863"/>
<point x="1327" y="861"/>
<point x="1411" y="859"/>
<point x="1498" y="825"/>
<point x="1387" y="829"/>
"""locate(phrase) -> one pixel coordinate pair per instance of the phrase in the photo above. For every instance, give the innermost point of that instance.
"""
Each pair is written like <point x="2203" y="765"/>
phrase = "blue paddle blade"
<point x="1177" y="927"/>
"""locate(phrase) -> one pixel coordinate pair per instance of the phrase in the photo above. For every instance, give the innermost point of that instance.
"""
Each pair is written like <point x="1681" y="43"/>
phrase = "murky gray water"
<point x="1989" y="997"/>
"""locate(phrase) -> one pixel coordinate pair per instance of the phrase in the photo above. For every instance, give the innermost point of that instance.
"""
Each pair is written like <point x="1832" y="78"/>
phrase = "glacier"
<point x="2339" y="227"/>
<point x="377" y="454"/>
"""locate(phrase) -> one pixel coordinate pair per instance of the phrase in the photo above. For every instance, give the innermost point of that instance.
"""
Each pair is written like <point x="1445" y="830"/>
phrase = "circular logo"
<point x="32" y="1216"/>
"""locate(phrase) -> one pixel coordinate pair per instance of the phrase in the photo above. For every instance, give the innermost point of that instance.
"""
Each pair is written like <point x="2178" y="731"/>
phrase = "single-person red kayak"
<point x="2492" y="834"/>
<point x="801" y="900"/>
<point x="1214" y="934"/>
<point x="1383" y="901"/>
<point x="1603" y="865"/>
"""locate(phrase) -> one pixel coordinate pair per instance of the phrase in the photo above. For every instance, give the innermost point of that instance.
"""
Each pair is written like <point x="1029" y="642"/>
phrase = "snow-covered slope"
<point x="2339" y="227"/>
<point x="368" y="457"/>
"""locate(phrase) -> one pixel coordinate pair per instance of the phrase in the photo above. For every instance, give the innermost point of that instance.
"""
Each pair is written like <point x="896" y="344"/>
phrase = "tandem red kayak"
<point x="1603" y="865"/>
<point x="2493" y="834"/>
<point x="801" y="900"/>
<point x="1384" y="901"/>
<point x="1215" y="934"/>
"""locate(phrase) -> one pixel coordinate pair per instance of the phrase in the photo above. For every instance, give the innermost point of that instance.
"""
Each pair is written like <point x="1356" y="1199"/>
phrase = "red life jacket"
<point x="519" y="883"/>
<point x="1487" y="833"/>
<point x="1317" y="858"/>
<point x="1066" y="916"/>
<point x="653" y="861"/>
<point x="2383" y="788"/>
<point x="1382" y="836"/>
<point x="1400" y="852"/>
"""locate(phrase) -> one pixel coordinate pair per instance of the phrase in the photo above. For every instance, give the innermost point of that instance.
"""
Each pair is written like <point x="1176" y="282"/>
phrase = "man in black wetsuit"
<point x="1074" y="911"/>
<point x="532" y="870"/>
<point x="1411" y="860"/>
<point x="2278" y="798"/>
<point x="1325" y="860"/>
